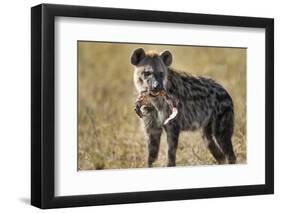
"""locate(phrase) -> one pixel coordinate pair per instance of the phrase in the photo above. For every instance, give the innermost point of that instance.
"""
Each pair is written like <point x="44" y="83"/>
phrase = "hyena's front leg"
<point x="153" y="130"/>
<point x="153" y="145"/>
<point x="172" y="139"/>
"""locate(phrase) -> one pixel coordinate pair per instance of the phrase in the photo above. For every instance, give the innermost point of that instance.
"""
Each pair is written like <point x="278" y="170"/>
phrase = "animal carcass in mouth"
<point x="143" y="100"/>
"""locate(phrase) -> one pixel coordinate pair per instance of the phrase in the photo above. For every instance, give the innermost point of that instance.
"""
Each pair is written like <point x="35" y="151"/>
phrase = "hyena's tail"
<point x="223" y="130"/>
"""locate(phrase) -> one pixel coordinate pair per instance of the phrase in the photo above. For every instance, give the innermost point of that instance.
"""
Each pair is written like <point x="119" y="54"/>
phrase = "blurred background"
<point x="110" y="135"/>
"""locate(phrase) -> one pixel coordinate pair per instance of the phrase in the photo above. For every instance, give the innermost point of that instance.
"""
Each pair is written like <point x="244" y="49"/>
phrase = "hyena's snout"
<point x="156" y="86"/>
<point x="155" y="83"/>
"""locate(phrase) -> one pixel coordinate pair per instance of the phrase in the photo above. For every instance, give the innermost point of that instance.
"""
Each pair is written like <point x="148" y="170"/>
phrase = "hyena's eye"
<point x="146" y="73"/>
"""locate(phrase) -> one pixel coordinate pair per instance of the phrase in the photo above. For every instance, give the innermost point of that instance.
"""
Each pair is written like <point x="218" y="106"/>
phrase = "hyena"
<point x="202" y="104"/>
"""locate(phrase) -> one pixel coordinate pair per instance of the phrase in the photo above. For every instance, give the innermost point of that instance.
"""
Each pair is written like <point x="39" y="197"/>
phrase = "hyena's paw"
<point x="138" y="110"/>
<point x="146" y="110"/>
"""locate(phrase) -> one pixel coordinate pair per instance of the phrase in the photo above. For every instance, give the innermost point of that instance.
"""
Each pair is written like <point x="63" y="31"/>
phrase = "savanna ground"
<point x="109" y="132"/>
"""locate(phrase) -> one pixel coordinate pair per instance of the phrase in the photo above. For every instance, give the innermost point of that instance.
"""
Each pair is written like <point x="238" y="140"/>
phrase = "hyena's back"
<point x="202" y="102"/>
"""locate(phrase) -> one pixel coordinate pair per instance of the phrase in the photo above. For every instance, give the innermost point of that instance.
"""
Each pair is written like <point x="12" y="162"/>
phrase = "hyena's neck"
<point x="159" y="103"/>
<point x="173" y="82"/>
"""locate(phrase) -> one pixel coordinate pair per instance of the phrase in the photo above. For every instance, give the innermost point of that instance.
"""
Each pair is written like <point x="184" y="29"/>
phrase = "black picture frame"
<point x="43" y="102"/>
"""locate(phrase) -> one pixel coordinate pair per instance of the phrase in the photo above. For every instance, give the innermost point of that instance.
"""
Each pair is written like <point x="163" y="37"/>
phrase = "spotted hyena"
<point x="201" y="104"/>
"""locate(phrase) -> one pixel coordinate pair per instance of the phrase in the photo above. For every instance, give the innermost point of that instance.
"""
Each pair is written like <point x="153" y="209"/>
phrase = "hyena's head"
<point x="151" y="70"/>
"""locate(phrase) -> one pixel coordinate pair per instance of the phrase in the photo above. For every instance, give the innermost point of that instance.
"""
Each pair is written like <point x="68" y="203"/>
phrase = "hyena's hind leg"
<point x="223" y="133"/>
<point x="211" y="145"/>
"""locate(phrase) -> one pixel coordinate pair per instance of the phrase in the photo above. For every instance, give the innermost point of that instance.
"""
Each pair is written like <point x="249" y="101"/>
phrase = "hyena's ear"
<point x="137" y="56"/>
<point x="167" y="57"/>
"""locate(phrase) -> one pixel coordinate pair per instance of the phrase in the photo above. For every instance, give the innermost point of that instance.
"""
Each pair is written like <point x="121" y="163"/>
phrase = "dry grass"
<point x="110" y="134"/>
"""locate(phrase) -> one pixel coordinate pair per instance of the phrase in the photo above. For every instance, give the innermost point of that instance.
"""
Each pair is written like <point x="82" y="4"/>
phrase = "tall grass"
<point x="110" y="134"/>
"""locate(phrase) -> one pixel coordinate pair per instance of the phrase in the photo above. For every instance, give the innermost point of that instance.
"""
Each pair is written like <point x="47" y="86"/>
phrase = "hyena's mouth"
<point x="157" y="93"/>
<point x="154" y="94"/>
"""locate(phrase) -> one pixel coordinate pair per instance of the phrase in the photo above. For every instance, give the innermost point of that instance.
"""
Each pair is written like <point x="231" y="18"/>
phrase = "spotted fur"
<point x="203" y="105"/>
